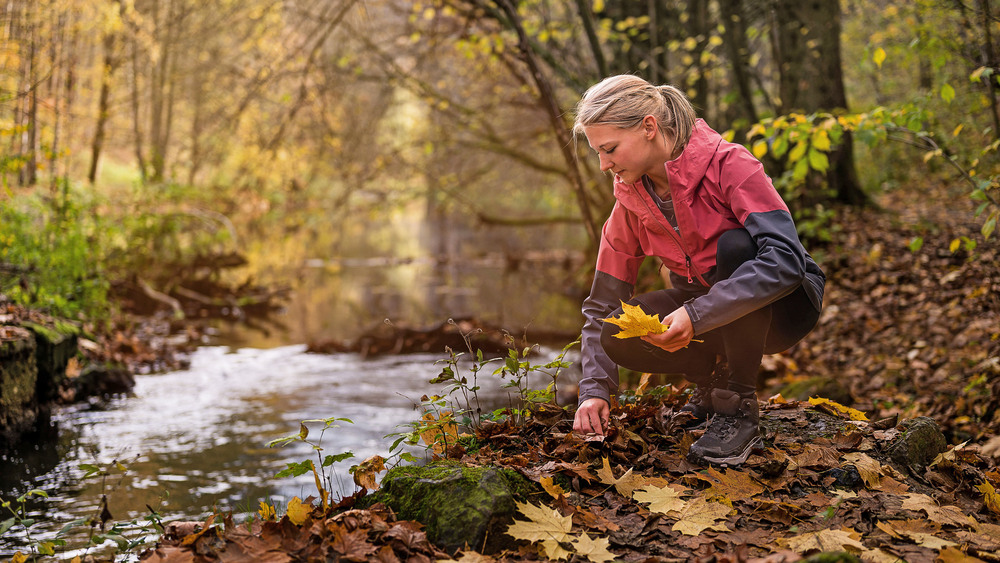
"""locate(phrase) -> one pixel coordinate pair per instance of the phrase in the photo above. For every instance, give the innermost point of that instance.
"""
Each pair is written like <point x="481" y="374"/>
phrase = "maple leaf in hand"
<point x="635" y="322"/>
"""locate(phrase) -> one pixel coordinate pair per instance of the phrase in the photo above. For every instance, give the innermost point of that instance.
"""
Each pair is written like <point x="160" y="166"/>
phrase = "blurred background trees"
<point x="167" y="121"/>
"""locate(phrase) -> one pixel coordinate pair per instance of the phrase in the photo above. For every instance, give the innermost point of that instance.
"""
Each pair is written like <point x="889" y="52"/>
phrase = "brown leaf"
<point x="731" y="484"/>
<point x="354" y="546"/>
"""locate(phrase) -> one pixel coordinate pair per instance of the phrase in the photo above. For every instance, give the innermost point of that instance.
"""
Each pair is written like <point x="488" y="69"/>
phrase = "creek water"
<point x="195" y="441"/>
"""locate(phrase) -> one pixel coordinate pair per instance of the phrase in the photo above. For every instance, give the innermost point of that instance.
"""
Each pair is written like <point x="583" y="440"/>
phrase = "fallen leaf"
<point x="954" y="555"/>
<point x="824" y="541"/>
<point x="990" y="497"/>
<point x="947" y="514"/>
<point x="662" y="500"/>
<point x="543" y="524"/>
<point x="837" y="409"/>
<point x="552" y="549"/>
<point x="595" y="550"/>
<point x="869" y="469"/>
<point x="624" y="484"/>
<point x="298" y="511"/>
<point x="441" y="432"/>
<point x="365" y="473"/>
<point x="635" y="322"/>
<point x="550" y="487"/>
<point x="700" y="515"/>
<point x="732" y="483"/>
<point x="354" y="546"/>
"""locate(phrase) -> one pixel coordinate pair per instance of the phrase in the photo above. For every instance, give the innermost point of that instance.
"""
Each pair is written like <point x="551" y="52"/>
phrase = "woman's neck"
<point x="660" y="181"/>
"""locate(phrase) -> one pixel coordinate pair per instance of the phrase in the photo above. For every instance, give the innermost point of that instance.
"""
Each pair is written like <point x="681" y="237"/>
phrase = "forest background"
<point x="139" y="134"/>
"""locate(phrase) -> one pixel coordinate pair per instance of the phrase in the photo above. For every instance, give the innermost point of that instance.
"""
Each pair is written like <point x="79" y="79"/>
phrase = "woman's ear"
<point x="650" y="127"/>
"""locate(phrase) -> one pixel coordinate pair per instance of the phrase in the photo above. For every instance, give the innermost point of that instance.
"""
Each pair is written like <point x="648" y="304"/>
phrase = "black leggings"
<point x="742" y="343"/>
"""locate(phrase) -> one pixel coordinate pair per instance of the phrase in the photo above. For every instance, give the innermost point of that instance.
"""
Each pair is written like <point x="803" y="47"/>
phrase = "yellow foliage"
<point x="662" y="500"/>
<point x="298" y="511"/>
<point x="266" y="511"/>
<point x="635" y="322"/>
<point x="624" y="484"/>
<point x="991" y="497"/>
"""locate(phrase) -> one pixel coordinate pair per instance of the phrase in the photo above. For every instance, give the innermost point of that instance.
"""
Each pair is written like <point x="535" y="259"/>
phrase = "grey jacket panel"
<point x="600" y="373"/>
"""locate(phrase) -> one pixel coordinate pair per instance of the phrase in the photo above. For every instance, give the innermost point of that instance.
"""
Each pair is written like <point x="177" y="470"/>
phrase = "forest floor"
<point x="906" y="332"/>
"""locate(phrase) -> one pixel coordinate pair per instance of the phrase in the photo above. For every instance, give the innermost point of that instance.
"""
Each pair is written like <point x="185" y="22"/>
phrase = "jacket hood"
<point x="685" y="172"/>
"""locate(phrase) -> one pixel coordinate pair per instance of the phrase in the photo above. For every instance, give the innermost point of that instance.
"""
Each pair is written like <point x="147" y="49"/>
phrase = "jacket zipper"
<point x="674" y="236"/>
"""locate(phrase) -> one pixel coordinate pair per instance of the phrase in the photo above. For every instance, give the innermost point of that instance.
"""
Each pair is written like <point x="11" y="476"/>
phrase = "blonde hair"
<point x="624" y="100"/>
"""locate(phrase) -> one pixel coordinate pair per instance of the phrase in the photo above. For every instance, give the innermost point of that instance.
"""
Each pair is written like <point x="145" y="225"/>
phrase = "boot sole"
<point x="732" y="460"/>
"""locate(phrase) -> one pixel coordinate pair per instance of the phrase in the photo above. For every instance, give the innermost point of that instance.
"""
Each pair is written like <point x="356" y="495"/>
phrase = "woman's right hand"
<point x="592" y="417"/>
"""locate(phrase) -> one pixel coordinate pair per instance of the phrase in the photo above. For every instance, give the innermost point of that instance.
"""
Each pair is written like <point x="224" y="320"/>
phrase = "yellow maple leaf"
<point x="266" y="511"/>
<point x="844" y="539"/>
<point x="990" y="497"/>
<point x="635" y="322"/>
<point x="624" y="484"/>
<point x="439" y="432"/>
<point x="551" y="549"/>
<point x="298" y="511"/>
<point x="543" y="524"/>
<point x="662" y="500"/>
<point x="700" y="515"/>
<point x="19" y="558"/>
<point x="836" y="408"/>
<point x="595" y="550"/>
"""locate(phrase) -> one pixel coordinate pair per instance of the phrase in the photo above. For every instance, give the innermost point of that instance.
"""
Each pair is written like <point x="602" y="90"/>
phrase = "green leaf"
<point x="295" y="469"/>
<point x="818" y="160"/>
<point x="990" y="225"/>
<point x="947" y="93"/>
<point x="879" y="56"/>
<point x="331" y="459"/>
<point x="821" y="140"/>
<point x="89" y="469"/>
<point x="801" y="170"/>
<point x="798" y="152"/>
<point x="780" y="146"/>
<point x="6" y="525"/>
<point x="916" y="244"/>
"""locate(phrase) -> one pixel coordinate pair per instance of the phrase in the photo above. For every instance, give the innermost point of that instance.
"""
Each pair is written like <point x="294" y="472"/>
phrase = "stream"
<point x="195" y="441"/>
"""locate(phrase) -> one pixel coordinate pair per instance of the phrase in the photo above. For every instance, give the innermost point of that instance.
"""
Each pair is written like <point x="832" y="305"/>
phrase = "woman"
<point x="742" y="282"/>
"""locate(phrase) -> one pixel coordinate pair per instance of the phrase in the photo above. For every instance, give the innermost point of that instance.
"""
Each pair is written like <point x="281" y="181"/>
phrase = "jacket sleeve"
<point x="777" y="270"/>
<point x="619" y="256"/>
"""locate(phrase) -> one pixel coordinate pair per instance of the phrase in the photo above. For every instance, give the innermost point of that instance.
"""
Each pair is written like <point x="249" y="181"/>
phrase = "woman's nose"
<point x="606" y="163"/>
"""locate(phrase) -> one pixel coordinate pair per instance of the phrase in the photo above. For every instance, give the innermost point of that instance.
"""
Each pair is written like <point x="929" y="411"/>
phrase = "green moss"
<point x="456" y="504"/>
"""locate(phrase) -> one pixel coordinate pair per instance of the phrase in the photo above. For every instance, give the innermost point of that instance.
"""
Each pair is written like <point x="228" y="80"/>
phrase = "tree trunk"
<point x="103" y="104"/>
<point x="806" y="40"/>
<point x="29" y="137"/>
<point x="735" y="36"/>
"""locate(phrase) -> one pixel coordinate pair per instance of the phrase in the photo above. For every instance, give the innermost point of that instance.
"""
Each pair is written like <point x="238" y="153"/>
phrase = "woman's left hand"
<point x="678" y="334"/>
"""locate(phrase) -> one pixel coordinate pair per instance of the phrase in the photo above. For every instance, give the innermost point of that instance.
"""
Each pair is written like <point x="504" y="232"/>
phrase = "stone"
<point x="56" y="344"/>
<point x="458" y="505"/>
<point x="19" y="408"/>
<point x="919" y="442"/>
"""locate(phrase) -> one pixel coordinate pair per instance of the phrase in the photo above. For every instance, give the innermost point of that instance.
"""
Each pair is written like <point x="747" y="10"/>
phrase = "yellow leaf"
<point x="266" y="511"/>
<point x="760" y="148"/>
<point x="700" y="515"/>
<point x="836" y="408"/>
<point x="439" y="432"/>
<point x="595" y="550"/>
<point x="662" y="500"/>
<point x="298" y="511"/>
<point x="550" y="487"/>
<point x="624" y="484"/>
<point x="543" y="524"/>
<point x="18" y="558"/>
<point x="635" y="322"/>
<point x="879" y="56"/>
<point x="598" y="6"/>
<point x="991" y="498"/>
<point x="825" y="541"/>
<point x="553" y="550"/>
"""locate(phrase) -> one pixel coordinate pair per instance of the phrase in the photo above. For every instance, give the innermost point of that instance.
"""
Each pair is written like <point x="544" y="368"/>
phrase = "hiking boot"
<point x="698" y="408"/>
<point x="733" y="432"/>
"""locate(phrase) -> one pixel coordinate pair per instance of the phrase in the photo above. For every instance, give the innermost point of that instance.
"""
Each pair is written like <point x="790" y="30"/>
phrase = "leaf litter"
<point x="903" y="335"/>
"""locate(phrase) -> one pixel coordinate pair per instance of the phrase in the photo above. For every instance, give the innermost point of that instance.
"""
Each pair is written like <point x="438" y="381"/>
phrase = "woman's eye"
<point x="611" y="150"/>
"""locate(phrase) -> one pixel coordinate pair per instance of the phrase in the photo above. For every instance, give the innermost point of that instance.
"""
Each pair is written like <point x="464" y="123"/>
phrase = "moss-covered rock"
<point x="18" y="379"/>
<point x="56" y="344"/>
<point x="458" y="505"/>
<point x="919" y="442"/>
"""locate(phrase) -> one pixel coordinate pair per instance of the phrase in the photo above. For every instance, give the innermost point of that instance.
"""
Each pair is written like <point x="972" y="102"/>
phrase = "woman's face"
<point x="629" y="153"/>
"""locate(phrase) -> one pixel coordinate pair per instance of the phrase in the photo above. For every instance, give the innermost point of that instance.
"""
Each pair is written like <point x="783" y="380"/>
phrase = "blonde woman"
<point x="741" y="281"/>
